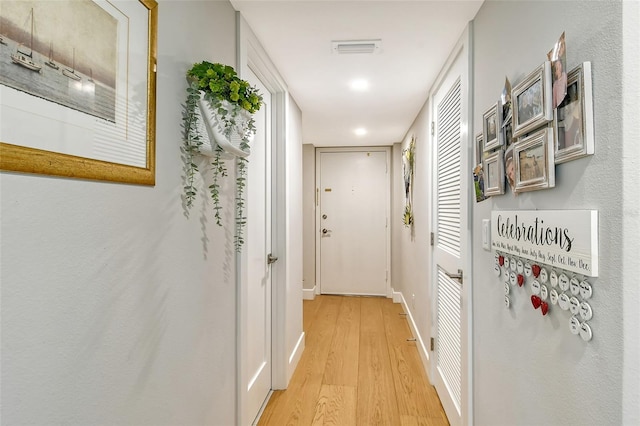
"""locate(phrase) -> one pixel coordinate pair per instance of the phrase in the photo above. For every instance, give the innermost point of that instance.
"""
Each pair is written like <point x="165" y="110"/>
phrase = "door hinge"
<point x="433" y="128"/>
<point x="433" y="237"/>
<point x="433" y="343"/>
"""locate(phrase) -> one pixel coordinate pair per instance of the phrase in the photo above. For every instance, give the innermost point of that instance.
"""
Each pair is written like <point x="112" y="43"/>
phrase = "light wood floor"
<point x="357" y="369"/>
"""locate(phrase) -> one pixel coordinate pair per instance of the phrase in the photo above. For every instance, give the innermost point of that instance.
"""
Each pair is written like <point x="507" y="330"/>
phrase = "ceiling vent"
<point x="345" y="47"/>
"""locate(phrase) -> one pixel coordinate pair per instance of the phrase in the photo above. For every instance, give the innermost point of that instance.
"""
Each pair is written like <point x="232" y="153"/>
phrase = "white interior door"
<point x="352" y="221"/>
<point x="451" y="253"/>
<point x="255" y="326"/>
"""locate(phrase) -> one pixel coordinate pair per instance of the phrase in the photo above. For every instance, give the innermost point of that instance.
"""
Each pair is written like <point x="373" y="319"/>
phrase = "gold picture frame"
<point x="17" y="157"/>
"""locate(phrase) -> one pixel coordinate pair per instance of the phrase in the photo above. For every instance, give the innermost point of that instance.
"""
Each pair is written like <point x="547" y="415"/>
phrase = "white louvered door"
<point x="451" y="250"/>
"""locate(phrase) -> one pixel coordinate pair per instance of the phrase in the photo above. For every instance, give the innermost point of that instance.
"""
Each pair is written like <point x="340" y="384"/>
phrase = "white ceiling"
<point x="417" y="37"/>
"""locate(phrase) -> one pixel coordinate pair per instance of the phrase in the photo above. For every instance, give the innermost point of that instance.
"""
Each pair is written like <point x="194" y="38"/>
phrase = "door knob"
<point x="271" y="258"/>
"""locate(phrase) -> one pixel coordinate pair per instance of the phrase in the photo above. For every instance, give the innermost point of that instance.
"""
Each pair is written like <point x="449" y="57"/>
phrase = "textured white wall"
<point x="529" y="369"/>
<point x="631" y="212"/>
<point x="411" y="265"/>
<point x="116" y="308"/>
<point x="294" y="231"/>
<point x="309" y="215"/>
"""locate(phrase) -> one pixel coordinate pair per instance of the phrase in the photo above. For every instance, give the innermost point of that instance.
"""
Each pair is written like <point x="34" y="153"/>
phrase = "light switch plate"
<point x="486" y="234"/>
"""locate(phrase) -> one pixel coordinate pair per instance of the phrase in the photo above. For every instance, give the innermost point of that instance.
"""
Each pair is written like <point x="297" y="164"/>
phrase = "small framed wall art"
<point x="479" y="148"/>
<point x="493" y="167"/>
<point x="532" y="101"/>
<point x="534" y="161"/>
<point x="573" y="119"/>
<point x="491" y="127"/>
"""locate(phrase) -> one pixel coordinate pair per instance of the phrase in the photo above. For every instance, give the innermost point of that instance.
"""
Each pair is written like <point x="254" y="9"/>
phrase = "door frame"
<point x="251" y="56"/>
<point x="464" y="50"/>
<point x="385" y="149"/>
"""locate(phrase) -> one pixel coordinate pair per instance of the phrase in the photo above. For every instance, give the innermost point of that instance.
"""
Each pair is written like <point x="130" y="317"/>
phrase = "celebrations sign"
<point x="565" y="239"/>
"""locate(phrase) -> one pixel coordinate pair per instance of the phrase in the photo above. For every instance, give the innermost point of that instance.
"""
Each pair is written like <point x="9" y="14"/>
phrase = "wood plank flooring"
<point x="357" y="369"/>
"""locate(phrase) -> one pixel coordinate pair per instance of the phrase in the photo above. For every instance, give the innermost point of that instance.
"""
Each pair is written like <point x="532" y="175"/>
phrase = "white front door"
<point x="451" y="254"/>
<point x="255" y="323"/>
<point x="351" y="225"/>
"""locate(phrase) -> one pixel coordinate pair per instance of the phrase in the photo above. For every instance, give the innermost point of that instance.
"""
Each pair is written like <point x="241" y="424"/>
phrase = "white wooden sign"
<point x="565" y="239"/>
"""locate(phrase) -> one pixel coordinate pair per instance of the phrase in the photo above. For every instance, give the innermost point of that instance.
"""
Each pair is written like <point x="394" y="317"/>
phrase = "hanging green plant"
<point x="219" y="108"/>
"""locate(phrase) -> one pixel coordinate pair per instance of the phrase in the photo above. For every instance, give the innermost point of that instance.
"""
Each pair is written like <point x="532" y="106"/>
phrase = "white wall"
<point x="309" y="216"/>
<point x="411" y="256"/>
<point x="117" y="306"/>
<point x="529" y="369"/>
<point x="631" y="212"/>
<point x="294" y="336"/>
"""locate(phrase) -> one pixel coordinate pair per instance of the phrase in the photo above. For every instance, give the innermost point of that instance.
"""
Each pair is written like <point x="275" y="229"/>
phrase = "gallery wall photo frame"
<point x="493" y="166"/>
<point x="573" y="119"/>
<point x="80" y="106"/>
<point x="492" y="127"/>
<point x="532" y="101"/>
<point x="534" y="161"/>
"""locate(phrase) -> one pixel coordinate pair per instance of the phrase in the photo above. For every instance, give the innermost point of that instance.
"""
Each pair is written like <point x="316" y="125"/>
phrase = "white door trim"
<point x="388" y="207"/>
<point x="251" y="55"/>
<point x="463" y="47"/>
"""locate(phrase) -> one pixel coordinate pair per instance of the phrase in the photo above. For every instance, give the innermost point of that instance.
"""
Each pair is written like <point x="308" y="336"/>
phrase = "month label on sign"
<point x="574" y="325"/>
<point x="563" y="282"/>
<point x="574" y="285"/>
<point x="535" y="287"/>
<point x="563" y="302"/>
<point x="585" y="311"/>
<point x="585" y="290"/>
<point x="544" y="277"/>
<point x="544" y="292"/>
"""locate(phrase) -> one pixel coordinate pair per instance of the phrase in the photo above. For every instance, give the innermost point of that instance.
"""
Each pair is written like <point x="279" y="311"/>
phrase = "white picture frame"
<point x="492" y="127"/>
<point x="573" y="119"/>
<point x="534" y="161"/>
<point x="493" y="166"/>
<point x="532" y="101"/>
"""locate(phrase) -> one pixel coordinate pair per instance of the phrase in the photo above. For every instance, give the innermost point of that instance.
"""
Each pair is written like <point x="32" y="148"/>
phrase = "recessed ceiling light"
<point x="359" y="85"/>
<point x="360" y="131"/>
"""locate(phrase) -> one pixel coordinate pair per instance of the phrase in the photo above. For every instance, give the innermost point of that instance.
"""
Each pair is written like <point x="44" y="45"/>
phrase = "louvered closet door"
<point x="449" y="207"/>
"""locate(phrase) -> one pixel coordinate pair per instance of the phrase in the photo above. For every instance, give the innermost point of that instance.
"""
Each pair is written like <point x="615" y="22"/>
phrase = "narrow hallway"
<point x="357" y="368"/>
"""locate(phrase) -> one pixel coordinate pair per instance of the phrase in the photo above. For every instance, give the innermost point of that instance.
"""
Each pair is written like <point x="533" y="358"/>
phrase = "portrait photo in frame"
<point x="534" y="161"/>
<point x="531" y="100"/>
<point x="76" y="106"/>
<point x="492" y="127"/>
<point x="493" y="167"/>
<point x="480" y="154"/>
<point x="573" y="119"/>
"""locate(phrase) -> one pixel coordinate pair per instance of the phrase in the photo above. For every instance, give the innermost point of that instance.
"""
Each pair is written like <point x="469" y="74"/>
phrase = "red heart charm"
<point x="536" y="301"/>
<point x="536" y="270"/>
<point x="520" y="280"/>
<point x="501" y="260"/>
<point x="544" y="306"/>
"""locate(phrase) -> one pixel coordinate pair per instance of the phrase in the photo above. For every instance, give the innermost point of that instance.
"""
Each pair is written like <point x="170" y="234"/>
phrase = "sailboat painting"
<point x="51" y="63"/>
<point x="25" y="57"/>
<point x="83" y="74"/>
<point x="71" y="72"/>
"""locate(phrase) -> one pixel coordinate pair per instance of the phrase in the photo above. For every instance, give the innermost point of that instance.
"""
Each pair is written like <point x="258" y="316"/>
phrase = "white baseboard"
<point x="309" y="293"/>
<point x="397" y="296"/>
<point x="295" y="356"/>
<point x="422" y="349"/>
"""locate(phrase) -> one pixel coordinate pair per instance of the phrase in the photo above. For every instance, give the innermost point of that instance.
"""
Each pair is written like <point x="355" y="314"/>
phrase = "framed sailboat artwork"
<point x="78" y="88"/>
